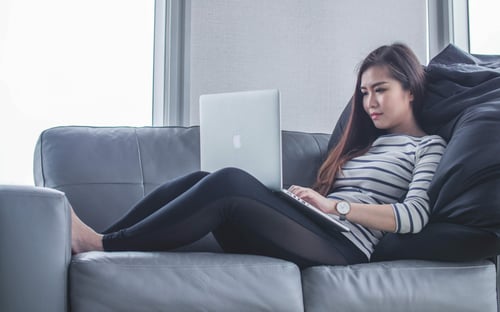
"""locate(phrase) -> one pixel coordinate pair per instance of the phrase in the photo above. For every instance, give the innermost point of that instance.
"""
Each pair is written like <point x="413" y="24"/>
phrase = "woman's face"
<point x="386" y="102"/>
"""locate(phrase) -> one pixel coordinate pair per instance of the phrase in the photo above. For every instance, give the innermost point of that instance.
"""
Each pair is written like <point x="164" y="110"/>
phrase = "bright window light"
<point x="484" y="26"/>
<point x="70" y="63"/>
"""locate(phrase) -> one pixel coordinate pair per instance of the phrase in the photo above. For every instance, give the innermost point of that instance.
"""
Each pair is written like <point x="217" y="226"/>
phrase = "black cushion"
<point x="463" y="106"/>
<point x="438" y="242"/>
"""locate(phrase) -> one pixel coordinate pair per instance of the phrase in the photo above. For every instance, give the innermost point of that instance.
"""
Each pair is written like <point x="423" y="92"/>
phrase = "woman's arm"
<point x="413" y="213"/>
<point x="408" y="216"/>
<point x="379" y="217"/>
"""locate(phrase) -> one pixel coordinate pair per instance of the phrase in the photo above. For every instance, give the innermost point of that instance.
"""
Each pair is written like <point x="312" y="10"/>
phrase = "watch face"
<point x="343" y="207"/>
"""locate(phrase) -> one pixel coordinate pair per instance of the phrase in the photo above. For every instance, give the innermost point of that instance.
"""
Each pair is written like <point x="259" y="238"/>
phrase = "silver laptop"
<point x="243" y="130"/>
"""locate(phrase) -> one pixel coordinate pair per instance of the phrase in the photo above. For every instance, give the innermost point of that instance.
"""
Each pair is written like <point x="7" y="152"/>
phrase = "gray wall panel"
<point x="307" y="49"/>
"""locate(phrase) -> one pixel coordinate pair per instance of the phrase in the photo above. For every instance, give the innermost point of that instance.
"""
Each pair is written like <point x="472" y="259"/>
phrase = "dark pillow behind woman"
<point x="463" y="106"/>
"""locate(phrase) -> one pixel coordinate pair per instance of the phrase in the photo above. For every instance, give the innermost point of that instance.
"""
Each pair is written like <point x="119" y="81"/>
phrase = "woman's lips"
<point x="375" y="116"/>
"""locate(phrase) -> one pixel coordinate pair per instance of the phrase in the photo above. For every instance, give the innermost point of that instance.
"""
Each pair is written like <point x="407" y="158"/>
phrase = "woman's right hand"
<point x="319" y="201"/>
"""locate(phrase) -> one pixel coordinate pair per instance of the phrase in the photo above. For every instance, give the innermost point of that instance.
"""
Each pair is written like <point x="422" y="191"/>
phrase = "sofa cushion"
<point x="162" y="281"/>
<point x="405" y="285"/>
<point x="105" y="170"/>
<point x="440" y="242"/>
<point x="303" y="154"/>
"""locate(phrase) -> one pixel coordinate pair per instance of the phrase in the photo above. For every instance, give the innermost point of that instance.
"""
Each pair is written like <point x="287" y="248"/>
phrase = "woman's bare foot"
<point x="83" y="238"/>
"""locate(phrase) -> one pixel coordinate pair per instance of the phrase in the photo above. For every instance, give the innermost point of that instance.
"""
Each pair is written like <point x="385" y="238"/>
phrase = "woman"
<point x="375" y="180"/>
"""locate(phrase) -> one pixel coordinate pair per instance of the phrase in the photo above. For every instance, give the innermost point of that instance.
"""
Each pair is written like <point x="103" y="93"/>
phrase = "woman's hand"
<point x="324" y="204"/>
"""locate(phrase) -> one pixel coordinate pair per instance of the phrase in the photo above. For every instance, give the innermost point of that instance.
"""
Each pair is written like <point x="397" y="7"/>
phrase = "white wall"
<point x="307" y="49"/>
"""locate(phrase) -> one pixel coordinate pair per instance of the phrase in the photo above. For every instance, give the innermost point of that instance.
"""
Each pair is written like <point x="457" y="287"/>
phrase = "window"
<point x="472" y="25"/>
<point x="70" y="63"/>
<point x="484" y="26"/>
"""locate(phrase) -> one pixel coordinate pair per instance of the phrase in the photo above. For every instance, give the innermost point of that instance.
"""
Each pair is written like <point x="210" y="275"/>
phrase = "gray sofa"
<point x="103" y="171"/>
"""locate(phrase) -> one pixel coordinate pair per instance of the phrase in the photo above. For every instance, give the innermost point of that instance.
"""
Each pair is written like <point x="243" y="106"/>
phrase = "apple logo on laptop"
<point x="237" y="141"/>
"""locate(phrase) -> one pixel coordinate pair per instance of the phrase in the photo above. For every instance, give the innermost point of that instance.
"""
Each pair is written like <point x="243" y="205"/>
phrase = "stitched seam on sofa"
<point x="140" y="162"/>
<point x="318" y="145"/>
<point x="24" y="194"/>
<point x="222" y="264"/>
<point x="372" y="269"/>
<point x="96" y="183"/>
<point x="67" y="238"/>
<point x="191" y="266"/>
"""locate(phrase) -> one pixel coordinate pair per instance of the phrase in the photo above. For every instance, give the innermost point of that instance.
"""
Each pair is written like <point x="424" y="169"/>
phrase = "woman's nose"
<point x="371" y="100"/>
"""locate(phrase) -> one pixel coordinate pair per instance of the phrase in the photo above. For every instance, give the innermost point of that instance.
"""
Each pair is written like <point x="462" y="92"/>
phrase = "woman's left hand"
<point x="321" y="202"/>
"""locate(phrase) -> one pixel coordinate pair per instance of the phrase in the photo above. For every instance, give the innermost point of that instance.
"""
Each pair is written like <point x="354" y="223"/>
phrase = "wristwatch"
<point x="343" y="208"/>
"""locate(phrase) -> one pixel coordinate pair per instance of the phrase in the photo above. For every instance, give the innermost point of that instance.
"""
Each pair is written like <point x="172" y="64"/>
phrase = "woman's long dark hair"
<point x="403" y="66"/>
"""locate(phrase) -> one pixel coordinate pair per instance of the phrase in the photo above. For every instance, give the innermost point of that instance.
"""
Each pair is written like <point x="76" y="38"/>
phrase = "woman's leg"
<point x="158" y="198"/>
<point x="244" y="215"/>
<point x="85" y="239"/>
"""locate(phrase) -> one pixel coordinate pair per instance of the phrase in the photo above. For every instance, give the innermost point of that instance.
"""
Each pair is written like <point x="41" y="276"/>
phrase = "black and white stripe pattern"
<point x="397" y="170"/>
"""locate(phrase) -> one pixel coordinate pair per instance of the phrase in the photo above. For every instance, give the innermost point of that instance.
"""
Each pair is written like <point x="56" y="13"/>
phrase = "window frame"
<point x="171" y="63"/>
<point x="448" y="22"/>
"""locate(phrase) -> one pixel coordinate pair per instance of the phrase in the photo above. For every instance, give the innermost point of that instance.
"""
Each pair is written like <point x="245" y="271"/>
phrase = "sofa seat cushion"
<point x="169" y="281"/>
<point x="404" y="285"/>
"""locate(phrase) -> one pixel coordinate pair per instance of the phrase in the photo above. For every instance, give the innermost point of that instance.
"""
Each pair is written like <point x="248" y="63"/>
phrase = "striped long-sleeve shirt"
<point x="396" y="170"/>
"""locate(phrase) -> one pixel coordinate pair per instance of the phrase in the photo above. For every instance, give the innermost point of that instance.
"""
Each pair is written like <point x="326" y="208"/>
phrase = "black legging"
<point x="243" y="214"/>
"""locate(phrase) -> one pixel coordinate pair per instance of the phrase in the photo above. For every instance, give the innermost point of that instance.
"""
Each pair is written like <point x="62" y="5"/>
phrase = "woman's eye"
<point x="380" y="90"/>
<point x="363" y="93"/>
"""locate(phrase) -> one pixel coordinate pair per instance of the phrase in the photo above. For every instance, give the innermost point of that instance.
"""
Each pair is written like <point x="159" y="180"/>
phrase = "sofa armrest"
<point x="35" y="243"/>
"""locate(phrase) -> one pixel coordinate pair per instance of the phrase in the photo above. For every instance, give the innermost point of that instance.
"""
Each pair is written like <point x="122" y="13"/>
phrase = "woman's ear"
<point x="410" y="95"/>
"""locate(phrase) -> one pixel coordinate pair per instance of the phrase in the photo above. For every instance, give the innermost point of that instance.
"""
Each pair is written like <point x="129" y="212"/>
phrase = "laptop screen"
<point x="242" y="130"/>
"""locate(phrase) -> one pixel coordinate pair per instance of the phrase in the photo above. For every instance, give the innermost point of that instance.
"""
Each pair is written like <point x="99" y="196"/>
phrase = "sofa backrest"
<point x="104" y="170"/>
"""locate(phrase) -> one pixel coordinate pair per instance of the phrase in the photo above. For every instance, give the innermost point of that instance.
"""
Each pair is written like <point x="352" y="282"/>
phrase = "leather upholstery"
<point x="405" y="285"/>
<point x="35" y="249"/>
<point x="104" y="171"/>
<point x="166" y="281"/>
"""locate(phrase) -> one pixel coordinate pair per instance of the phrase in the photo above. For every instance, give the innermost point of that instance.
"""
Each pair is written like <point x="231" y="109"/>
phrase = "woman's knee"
<point x="233" y="178"/>
<point x="231" y="174"/>
<point x="198" y="175"/>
